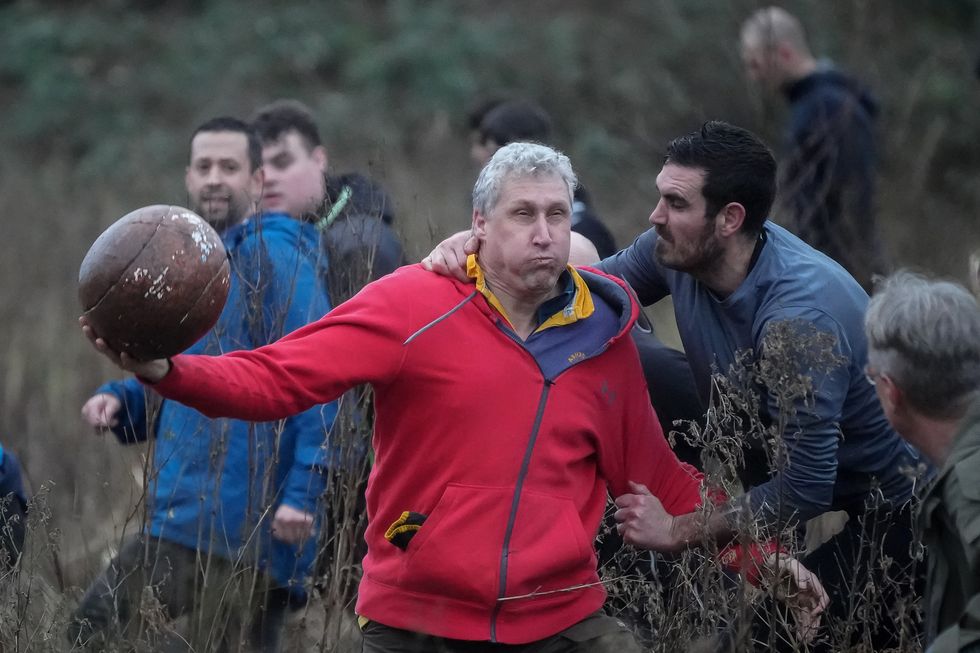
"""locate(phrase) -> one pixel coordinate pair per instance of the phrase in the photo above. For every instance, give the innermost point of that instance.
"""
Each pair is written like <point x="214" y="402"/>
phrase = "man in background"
<point x="229" y="535"/>
<point x="924" y="361"/>
<point x="353" y="213"/>
<point x="827" y="177"/>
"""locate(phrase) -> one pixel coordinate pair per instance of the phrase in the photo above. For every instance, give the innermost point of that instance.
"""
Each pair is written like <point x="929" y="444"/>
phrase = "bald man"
<point x="828" y="158"/>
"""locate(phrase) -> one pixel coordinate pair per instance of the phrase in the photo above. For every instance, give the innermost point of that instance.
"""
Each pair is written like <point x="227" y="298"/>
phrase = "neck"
<point x="731" y="268"/>
<point x="802" y="66"/>
<point x="521" y="307"/>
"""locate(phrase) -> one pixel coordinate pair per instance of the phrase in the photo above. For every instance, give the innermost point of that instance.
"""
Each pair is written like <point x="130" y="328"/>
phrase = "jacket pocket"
<point x="549" y="549"/>
<point x="456" y="552"/>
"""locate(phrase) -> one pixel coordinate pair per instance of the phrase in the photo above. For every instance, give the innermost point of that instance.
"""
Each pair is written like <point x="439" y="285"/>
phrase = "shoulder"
<point x="797" y="281"/>
<point x="413" y="283"/>
<point x="278" y="235"/>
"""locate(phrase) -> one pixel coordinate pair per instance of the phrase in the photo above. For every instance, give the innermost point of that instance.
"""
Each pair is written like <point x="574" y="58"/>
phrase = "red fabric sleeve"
<point x="641" y="454"/>
<point x="647" y="458"/>
<point x="358" y="342"/>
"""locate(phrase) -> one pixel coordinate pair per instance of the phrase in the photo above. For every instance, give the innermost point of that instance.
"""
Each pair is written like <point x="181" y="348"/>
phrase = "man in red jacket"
<point x="504" y="412"/>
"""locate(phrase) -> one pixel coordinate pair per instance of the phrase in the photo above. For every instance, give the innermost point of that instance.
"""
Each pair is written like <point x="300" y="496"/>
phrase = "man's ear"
<point x="479" y="225"/>
<point x="890" y="394"/>
<point x="319" y="155"/>
<point x="730" y="219"/>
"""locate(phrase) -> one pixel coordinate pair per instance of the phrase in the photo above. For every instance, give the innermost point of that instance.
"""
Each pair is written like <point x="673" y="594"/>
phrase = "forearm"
<point x="695" y="528"/>
<point x="238" y="385"/>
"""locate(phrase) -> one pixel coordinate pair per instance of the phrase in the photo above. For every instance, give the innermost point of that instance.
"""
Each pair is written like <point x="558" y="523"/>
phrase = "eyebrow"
<point x="673" y="195"/>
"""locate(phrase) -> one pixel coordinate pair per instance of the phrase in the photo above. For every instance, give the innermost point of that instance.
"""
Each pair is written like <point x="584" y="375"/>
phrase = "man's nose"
<point x="659" y="215"/>
<point x="542" y="232"/>
<point x="214" y="176"/>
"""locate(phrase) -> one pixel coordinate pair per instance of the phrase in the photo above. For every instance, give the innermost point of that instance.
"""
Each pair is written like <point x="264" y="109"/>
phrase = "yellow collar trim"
<point x="579" y="308"/>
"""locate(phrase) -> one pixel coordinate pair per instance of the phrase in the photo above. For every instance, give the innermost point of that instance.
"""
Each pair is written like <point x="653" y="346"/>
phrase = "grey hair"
<point x="925" y="335"/>
<point x="770" y="26"/>
<point x="520" y="160"/>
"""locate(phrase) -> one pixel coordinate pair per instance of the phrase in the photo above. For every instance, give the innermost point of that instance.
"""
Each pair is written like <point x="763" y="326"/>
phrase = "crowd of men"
<point x="516" y="388"/>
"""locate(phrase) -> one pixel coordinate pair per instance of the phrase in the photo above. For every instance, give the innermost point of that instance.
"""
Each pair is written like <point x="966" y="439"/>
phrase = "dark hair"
<point x="229" y="124"/>
<point x="479" y="110"/>
<point x="280" y="117"/>
<point x="738" y="168"/>
<point x="516" y="120"/>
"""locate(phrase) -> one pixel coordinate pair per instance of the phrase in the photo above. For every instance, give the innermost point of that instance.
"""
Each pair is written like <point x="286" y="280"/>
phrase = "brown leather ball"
<point x="154" y="282"/>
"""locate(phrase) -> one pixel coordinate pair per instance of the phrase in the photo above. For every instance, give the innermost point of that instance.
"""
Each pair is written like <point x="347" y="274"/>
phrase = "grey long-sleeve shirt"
<point x="839" y="445"/>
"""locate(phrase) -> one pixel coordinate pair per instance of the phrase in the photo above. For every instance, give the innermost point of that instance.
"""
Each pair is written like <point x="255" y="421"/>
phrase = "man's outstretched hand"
<point x="151" y="371"/>
<point x="449" y="257"/>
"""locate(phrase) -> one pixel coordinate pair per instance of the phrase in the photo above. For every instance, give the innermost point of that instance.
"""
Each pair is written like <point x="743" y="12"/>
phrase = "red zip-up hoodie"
<point x="507" y="447"/>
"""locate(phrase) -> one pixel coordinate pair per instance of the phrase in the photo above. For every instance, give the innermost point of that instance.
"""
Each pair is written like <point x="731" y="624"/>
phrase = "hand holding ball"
<point x="154" y="282"/>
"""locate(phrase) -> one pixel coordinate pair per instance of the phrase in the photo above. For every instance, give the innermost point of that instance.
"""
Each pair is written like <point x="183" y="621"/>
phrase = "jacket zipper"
<point x="519" y="485"/>
<point x="515" y="504"/>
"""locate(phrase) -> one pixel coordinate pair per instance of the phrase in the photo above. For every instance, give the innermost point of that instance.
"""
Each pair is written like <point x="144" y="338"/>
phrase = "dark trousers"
<point x="597" y="633"/>
<point x="152" y="582"/>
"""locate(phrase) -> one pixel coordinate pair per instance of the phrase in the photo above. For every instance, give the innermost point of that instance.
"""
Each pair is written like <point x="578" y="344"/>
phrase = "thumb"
<point x="640" y="488"/>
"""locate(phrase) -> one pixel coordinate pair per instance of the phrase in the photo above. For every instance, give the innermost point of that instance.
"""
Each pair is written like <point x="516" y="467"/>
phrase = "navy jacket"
<point x="828" y="177"/>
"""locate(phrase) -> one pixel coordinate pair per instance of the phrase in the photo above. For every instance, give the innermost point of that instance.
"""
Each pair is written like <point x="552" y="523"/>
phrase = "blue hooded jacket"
<point x="216" y="484"/>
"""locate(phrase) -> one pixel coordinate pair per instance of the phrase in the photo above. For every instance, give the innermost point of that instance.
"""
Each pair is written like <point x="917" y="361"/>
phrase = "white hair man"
<point x="924" y="360"/>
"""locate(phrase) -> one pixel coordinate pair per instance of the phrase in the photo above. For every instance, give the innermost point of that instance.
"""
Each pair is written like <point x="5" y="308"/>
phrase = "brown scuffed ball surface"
<point x="155" y="281"/>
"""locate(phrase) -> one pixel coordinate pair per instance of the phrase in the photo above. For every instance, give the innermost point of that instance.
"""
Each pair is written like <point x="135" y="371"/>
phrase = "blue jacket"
<point x="216" y="484"/>
<point x="840" y="445"/>
<point x="11" y="482"/>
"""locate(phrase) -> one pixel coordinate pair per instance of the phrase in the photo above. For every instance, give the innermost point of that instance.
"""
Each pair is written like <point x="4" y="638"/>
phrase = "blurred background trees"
<point x="98" y="100"/>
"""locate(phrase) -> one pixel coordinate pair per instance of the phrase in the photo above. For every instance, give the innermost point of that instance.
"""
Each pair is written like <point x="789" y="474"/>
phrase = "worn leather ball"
<point x="154" y="282"/>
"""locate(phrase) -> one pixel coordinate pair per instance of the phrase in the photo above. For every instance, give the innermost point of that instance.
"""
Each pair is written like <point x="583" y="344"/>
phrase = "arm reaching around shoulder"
<point x="151" y="371"/>
<point x="449" y="257"/>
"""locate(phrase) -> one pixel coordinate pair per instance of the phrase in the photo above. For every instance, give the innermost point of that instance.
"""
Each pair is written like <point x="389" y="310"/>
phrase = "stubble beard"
<point x="703" y="257"/>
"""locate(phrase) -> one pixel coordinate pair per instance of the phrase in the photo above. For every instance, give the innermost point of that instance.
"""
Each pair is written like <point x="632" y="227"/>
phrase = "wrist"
<point x="684" y="530"/>
<point x="155" y="371"/>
